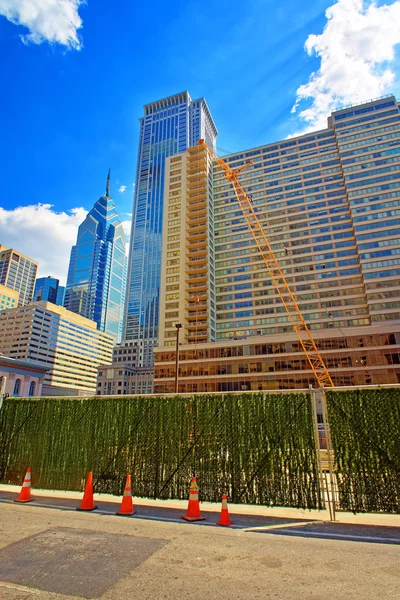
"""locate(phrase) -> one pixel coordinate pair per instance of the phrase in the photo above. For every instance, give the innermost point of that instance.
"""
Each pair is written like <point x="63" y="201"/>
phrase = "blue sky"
<point x="68" y="113"/>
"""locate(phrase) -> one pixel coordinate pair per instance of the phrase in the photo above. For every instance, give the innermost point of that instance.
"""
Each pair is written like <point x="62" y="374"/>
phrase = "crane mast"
<point x="278" y="279"/>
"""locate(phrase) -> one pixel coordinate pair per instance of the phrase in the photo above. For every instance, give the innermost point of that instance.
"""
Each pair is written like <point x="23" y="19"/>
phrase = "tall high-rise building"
<point x="50" y="290"/>
<point x="18" y="272"/>
<point x="97" y="269"/>
<point x="169" y="126"/>
<point x="329" y="202"/>
<point x="188" y="258"/>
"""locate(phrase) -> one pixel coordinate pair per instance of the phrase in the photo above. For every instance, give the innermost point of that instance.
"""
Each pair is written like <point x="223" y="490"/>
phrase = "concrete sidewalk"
<point x="251" y="510"/>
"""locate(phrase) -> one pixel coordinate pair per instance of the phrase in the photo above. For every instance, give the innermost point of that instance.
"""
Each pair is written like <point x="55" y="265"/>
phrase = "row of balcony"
<point x="197" y="278"/>
<point x="198" y="243"/>
<point x="200" y="236"/>
<point x="197" y="336"/>
<point x="196" y="252"/>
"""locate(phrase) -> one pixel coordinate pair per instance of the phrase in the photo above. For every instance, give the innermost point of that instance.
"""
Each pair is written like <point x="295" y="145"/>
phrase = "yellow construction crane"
<point x="278" y="279"/>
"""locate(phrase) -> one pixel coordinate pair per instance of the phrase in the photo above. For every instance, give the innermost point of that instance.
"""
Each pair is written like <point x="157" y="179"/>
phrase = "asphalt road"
<point x="59" y="553"/>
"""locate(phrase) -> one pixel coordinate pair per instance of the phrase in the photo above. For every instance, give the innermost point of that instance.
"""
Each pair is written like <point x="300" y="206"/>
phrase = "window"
<point x="17" y="387"/>
<point x="32" y="388"/>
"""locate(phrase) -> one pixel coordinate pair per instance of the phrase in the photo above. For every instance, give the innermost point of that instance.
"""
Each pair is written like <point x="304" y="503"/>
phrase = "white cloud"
<point x="122" y="188"/>
<point x="42" y="234"/>
<point x="357" y="52"/>
<point x="127" y="230"/>
<point x="54" y="21"/>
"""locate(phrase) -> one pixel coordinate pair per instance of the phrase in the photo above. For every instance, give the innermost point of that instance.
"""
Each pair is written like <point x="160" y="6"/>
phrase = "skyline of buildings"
<point x="169" y="126"/>
<point x="97" y="270"/>
<point x="329" y="203"/>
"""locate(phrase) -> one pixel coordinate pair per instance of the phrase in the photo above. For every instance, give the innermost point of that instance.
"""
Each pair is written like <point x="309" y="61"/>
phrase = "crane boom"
<point x="278" y="279"/>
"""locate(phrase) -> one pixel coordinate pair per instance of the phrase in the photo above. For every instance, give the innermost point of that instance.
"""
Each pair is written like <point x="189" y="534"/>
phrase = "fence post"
<point x="329" y="451"/>
<point x="313" y="400"/>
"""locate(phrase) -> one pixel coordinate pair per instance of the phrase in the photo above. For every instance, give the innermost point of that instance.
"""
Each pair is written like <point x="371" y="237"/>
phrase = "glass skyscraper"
<point x="97" y="268"/>
<point x="50" y="290"/>
<point x="169" y="126"/>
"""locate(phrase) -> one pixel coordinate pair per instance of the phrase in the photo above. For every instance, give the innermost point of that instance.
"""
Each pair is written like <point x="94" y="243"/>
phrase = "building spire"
<point x="108" y="185"/>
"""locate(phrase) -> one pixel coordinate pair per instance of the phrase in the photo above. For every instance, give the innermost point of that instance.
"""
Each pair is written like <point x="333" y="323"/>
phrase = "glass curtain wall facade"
<point x="97" y="270"/>
<point x="169" y="126"/>
<point x="50" y="290"/>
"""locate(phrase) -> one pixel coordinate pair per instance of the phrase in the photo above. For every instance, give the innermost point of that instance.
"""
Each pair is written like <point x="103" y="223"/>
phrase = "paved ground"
<point x="58" y="553"/>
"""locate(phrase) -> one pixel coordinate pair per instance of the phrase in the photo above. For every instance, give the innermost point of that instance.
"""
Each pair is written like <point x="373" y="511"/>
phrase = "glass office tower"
<point x="169" y="126"/>
<point x="50" y="290"/>
<point x="97" y="268"/>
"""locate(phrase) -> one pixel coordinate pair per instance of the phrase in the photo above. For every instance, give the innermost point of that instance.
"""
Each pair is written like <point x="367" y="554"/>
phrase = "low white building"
<point x="20" y="378"/>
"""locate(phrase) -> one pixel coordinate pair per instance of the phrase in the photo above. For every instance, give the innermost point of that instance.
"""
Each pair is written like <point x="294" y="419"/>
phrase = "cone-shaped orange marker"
<point x="224" y="519"/>
<point x="193" y="511"/>
<point x="126" y="508"/>
<point x="87" y="501"/>
<point x="25" y="494"/>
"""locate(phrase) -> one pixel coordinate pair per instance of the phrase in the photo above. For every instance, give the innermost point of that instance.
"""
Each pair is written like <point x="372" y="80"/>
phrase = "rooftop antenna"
<point x="108" y="185"/>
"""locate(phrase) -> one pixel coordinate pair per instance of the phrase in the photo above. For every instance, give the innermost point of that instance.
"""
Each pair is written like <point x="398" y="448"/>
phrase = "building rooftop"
<point x="165" y="102"/>
<point x="27" y="365"/>
<point x="6" y="249"/>
<point x="59" y="310"/>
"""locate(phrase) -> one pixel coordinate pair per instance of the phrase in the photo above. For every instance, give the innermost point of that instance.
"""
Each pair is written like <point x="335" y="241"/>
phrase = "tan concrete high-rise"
<point x="329" y="202"/>
<point x="18" y="272"/>
<point x="187" y="293"/>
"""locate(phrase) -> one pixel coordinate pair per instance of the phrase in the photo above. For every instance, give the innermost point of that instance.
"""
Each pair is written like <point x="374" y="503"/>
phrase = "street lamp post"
<point x="178" y="327"/>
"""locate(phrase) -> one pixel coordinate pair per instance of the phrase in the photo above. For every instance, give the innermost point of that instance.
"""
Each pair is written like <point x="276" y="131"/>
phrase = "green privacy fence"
<point x="257" y="448"/>
<point x="365" y="431"/>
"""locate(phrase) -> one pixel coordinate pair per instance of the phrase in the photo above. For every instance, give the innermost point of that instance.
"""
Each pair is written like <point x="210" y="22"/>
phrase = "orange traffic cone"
<point x="224" y="519"/>
<point x="193" y="511"/>
<point x="87" y="500"/>
<point x="126" y="508"/>
<point x="25" y="494"/>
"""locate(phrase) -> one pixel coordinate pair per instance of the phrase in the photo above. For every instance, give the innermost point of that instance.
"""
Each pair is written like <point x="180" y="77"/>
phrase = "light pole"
<point x="178" y="327"/>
